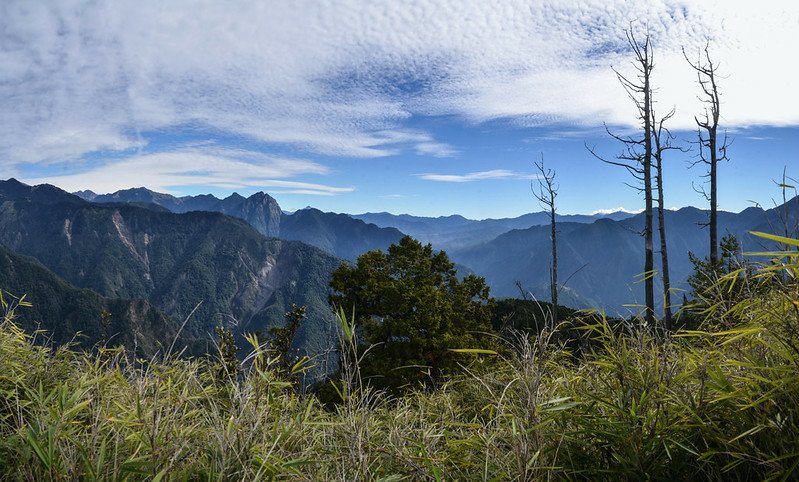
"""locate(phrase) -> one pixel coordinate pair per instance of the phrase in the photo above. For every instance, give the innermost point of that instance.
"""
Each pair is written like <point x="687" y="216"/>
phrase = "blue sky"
<point x="423" y="107"/>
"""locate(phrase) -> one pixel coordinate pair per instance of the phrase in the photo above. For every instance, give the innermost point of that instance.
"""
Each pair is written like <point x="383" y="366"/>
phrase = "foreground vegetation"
<point x="622" y="402"/>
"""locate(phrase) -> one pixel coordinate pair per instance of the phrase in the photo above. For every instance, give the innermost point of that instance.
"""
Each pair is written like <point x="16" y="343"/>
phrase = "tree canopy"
<point x="413" y="310"/>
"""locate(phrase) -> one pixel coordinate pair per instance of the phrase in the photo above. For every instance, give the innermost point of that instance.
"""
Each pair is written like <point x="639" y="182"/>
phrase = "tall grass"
<point x="719" y="403"/>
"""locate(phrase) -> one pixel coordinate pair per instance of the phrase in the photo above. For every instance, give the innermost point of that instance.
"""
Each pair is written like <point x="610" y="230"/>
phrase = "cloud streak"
<point x="476" y="176"/>
<point x="207" y="166"/>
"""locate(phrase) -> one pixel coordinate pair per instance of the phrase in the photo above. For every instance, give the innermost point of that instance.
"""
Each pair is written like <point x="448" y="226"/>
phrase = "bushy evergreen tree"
<point x="413" y="310"/>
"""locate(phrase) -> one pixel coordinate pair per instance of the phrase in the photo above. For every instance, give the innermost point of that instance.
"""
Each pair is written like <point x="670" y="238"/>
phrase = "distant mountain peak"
<point x="14" y="181"/>
<point x="15" y="190"/>
<point x="86" y="194"/>
<point x="140" y="189"/>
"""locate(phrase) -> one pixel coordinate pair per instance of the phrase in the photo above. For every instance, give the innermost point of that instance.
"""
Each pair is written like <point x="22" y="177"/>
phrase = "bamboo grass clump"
<point x="719" y="402"/>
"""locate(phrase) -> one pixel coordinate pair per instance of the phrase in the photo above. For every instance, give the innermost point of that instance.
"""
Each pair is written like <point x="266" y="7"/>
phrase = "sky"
<point x="422" y="107"/>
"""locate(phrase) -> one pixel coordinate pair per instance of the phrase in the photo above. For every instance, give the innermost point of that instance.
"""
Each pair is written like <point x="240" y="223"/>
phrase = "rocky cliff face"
<point x="260" y="210"/>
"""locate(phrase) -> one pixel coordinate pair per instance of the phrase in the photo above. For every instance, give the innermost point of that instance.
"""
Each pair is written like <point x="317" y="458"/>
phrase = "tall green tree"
<point x="413" y="311"/>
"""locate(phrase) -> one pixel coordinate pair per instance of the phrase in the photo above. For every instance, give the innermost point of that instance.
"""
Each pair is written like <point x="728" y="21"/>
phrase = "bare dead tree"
<point x="636" y="157"/>
<point x="711" y="151"/>
<point x="546" y="194"/>
<point x="789" y="231"/>
<point x="662" y="142"/>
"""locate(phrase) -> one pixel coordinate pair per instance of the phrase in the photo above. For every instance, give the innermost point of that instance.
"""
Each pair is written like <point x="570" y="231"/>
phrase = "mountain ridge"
<point x="327" y="231"/>
<point x="602" y="261"/>
<point x="600" y="255"/>
<point x="240" y="277"/>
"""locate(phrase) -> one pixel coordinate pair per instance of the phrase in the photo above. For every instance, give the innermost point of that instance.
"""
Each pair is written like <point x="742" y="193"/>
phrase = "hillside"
<point x="176" y="261"/>
<point x="70" y="314"/>
<point x="348" y="238"/>
<point x="621" y="402"/>
<point x="600" y="262"/>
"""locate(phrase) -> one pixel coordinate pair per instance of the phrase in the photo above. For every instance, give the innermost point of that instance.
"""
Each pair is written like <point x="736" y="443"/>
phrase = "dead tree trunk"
<point x="649" y="253"/>
<point x="637" y="156"/>
<point x="710" y="150"/>
<point x="547" y="191"/>
<point x="662" y="144"/>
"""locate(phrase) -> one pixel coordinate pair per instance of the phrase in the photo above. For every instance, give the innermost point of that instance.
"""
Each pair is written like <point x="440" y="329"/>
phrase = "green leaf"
<point x="771" y="254"/>
<point x="476" y="351"/>
<point x="31" y="436"/>
<point x="779" y="239"/>
<point x="160" y="475"/>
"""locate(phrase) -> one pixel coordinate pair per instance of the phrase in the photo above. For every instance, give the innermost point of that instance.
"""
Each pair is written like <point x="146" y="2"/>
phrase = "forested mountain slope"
<point x="69" y="314"/>
<point x="239" y="277"/>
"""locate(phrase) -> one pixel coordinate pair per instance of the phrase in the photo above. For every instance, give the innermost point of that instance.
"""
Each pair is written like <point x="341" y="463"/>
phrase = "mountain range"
<point x="149" y="259"/>
<point x="340" y="235"/>
<point x="343" y="235"/>
<point x="238" y="277"/>
<point x="600" y="254"/>
<point x="457" y="232"/>
<point x="601" y="263"/>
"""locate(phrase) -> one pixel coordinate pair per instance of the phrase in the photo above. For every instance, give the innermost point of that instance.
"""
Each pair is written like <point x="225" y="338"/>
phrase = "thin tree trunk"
<point x="706" y="75"/>
<point x="714" y="160"/>
<point x="554" y="284"/>
<point x="714" y="244"/>
<point x="664" y="256"/>
<point x="546" y="193"/>
<point x="649" y="263"/>
<point x="639" y="164"/>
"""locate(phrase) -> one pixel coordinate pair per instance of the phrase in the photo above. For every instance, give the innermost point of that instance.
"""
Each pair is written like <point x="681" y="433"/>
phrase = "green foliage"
<point x="717" y="289"/>
<point x="530" y="316"/>
<point x="282" y="337"/>
<point x="413" y="311"/>
<point x="721" y="403"/>
<point x="713" y="282"/>
<point x="706" y="274"/>
<point x="281" y="341"/>
<point x="227" y="363"/>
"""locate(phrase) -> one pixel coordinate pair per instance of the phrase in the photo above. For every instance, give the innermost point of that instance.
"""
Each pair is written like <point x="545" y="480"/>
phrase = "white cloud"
<point x="619" y="209"/>
<point x="206" y="166"/>
<point x="346" y="78"/>
<point x="323" y="191"/>
<point x="435" y="149"/>
<point x="476" y="176"/>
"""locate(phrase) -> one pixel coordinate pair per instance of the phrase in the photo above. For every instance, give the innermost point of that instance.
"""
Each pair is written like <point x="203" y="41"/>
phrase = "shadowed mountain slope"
<point x="601" y="263"/>
<point x="70" y="314"/>
<point x="239" y="277"/>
